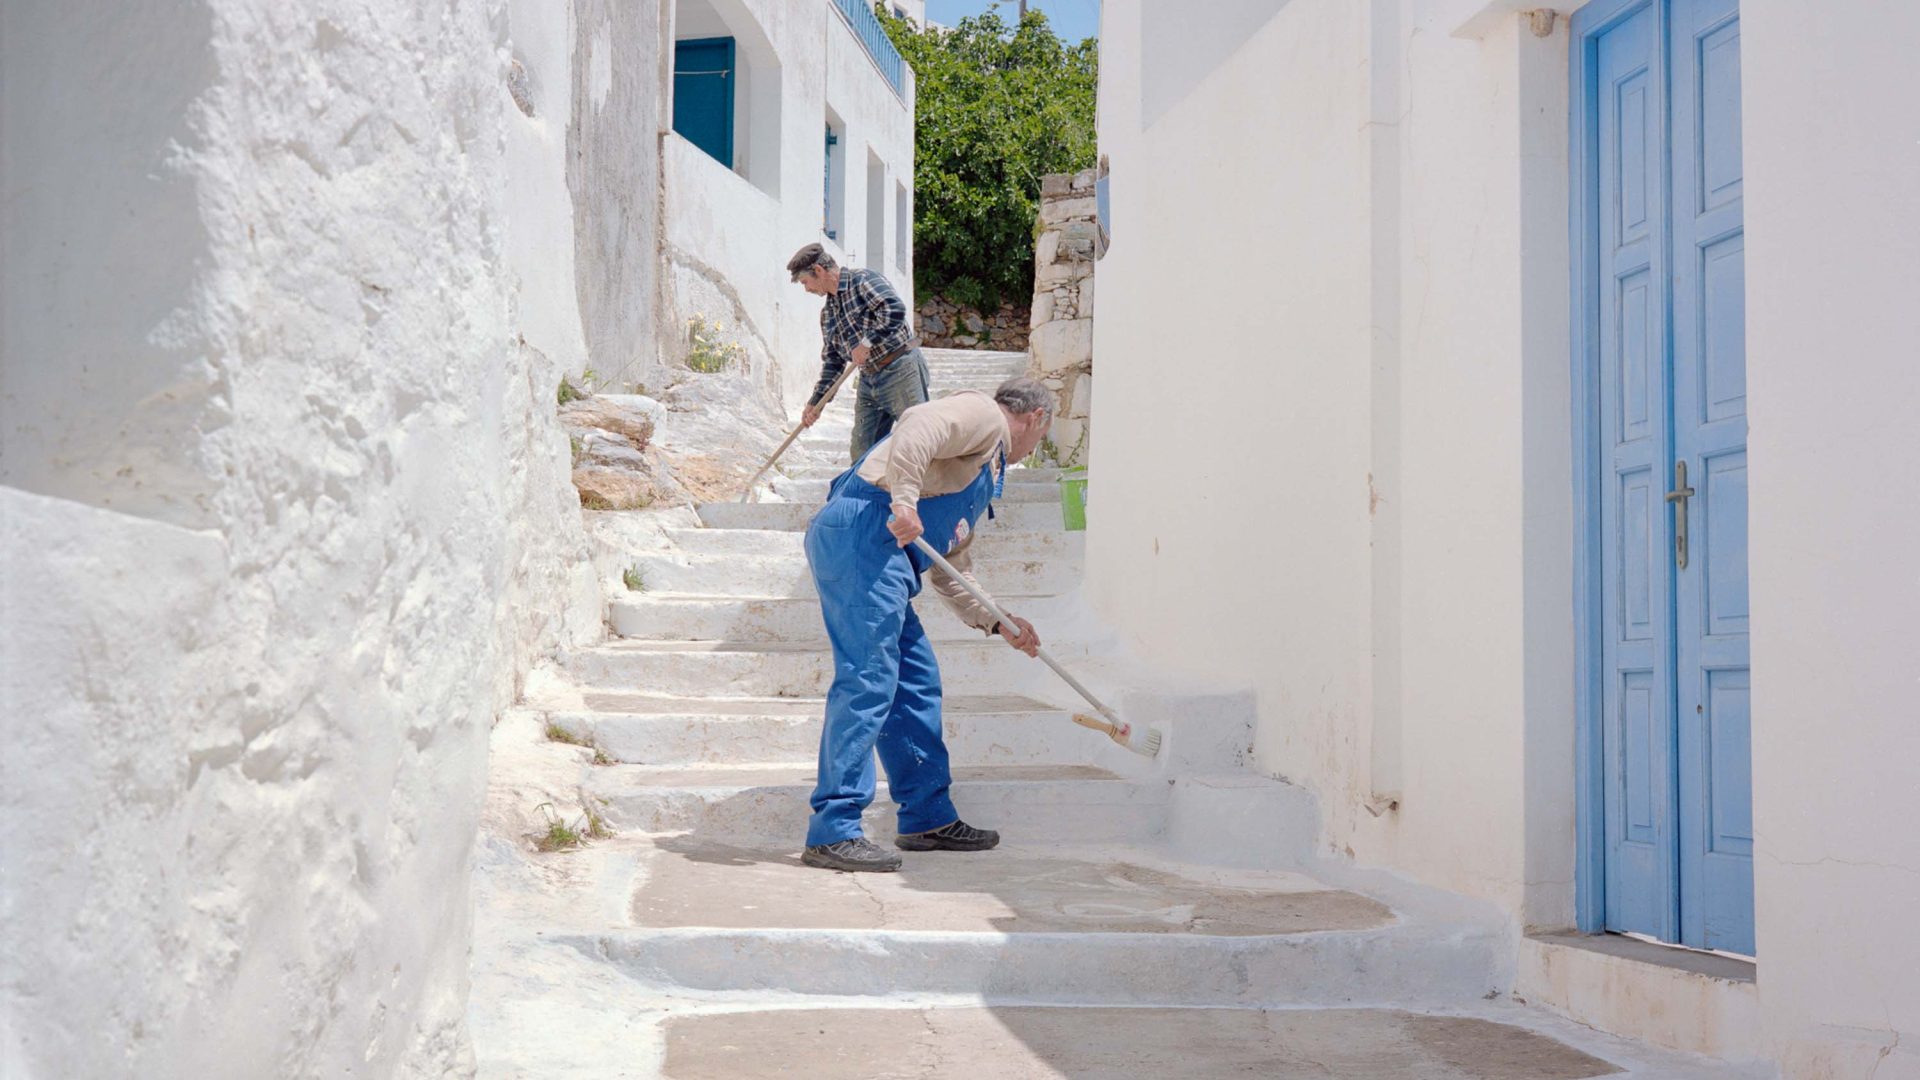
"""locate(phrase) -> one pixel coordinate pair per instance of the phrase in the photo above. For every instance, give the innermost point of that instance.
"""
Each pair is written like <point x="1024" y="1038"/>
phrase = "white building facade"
<point x="285" y="511"/>
<point x="791" y="123"/>
<point x="1413" y="313"/>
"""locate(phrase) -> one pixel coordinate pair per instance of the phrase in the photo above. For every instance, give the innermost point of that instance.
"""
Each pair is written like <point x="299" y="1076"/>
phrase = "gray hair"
<point x="1021" y="395"/>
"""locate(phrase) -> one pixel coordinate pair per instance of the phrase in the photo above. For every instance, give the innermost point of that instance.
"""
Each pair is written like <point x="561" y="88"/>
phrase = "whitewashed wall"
<point x="1833" y="252"/>
<point x="620" y="102"/>
<point x="1360" y="290"/>
<point x="1232" y="338"/>
<point x="263" y="268"/>
<point x="729" y="235"/>
<point x="1334" y="456"/>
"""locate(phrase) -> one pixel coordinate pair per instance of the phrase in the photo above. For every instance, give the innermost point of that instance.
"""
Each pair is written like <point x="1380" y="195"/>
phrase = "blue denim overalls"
<point x="886" y="683"/>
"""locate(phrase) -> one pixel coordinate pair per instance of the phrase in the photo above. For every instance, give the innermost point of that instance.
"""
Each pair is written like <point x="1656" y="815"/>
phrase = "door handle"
<point x="1678" y="497"/>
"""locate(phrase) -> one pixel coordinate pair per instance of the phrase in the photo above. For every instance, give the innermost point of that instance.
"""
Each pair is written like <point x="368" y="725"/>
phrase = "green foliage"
<point x="556" y="733"/>
<point x="597" y="825"/>
<point x="1049" y="454"/>
<point x="561" y="836"/>
<point x="709" y="352"/>
<point x="569" y="392"/>
<point x="997" y="109"/>
<point x="558" y="837"/>
<point x="634" y="579"/>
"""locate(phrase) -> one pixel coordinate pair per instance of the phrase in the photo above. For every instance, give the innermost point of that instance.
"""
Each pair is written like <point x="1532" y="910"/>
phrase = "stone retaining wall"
<point x="1061" y="341"/>
<point x="945" y="325"/>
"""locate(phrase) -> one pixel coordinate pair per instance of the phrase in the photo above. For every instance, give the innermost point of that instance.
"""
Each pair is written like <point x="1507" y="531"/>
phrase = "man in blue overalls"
<point x="935" y="475"/>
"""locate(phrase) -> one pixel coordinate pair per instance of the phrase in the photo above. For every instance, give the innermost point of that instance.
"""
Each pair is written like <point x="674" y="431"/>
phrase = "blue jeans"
<point x="885" y="696"/>
<point x="883" y="396"/>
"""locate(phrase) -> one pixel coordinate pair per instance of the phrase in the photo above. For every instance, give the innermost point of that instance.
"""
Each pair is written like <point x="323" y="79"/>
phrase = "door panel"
<point x="1637" y="726"/>
<point x="1710" y="436"/>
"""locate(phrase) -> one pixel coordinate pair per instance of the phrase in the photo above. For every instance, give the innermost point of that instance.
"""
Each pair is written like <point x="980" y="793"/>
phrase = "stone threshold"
<point x="1693" y="961"/>
<point x="1694" y="1002"/>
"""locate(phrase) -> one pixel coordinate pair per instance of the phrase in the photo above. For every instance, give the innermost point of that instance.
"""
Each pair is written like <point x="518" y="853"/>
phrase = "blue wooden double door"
<point x="1665" y="281"/>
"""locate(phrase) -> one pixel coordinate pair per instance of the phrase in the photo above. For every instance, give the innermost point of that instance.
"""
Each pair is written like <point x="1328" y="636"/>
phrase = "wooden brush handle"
<point x="795" y="433"/>
<point x="986" y="601"/>
<point x="1094" y="722"/>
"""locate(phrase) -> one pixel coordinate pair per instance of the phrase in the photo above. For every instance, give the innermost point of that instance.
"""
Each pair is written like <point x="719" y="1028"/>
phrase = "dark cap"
<point x="806" y="258"/>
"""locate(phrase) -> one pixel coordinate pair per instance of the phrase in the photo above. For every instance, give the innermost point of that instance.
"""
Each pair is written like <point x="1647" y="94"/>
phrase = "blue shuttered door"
<point x="1712" y="679"/>
<point x="1664" y="110"/>
<point x="1637" y="714"/>
<point x="703" y="85"/>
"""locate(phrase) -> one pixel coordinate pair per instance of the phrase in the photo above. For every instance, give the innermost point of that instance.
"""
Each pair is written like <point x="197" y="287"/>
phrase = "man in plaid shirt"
<point x="864" y="323"/>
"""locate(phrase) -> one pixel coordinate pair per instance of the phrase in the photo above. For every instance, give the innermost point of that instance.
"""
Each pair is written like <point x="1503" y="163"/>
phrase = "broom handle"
<point x="795" y="433"/>
<point x="987" y="602"/>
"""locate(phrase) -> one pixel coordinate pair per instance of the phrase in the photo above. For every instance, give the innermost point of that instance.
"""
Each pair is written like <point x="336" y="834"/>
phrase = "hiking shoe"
<point x="958" y="836"/>
<point x="853" y="856"/>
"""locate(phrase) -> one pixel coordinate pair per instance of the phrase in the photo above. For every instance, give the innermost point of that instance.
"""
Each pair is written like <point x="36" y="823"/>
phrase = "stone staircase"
<point x="1142" y="918"/>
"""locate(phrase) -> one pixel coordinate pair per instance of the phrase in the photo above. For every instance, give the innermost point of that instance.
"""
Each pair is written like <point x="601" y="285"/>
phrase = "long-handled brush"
<point x="1142" y="741"/>
<point x="747" y="495"/>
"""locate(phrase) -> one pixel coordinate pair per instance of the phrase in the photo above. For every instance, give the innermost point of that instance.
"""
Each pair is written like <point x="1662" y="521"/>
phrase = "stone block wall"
<point x="942" y="324"/>
<point x="1061" y="339"/>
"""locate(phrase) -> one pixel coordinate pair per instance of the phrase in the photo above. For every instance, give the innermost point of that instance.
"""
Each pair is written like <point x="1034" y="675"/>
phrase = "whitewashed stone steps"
<point x="944" y="358"/>
<point x="986" y="730"/>
<point x="829" y="471"/>
<point x="1075" y="804"/>
<point x="787" y="575"/>
<point x="793" y="517"/>
<point x="825" y="443"/>
<point x="1411" y="966"/>
<point x="981" y="729"/>
<point x="999" y="544"/>
<point x="815" y="491"/>
<point x="785" y="669"/>
<point x="1039" y="479"/>
<point x="647" y="617"/>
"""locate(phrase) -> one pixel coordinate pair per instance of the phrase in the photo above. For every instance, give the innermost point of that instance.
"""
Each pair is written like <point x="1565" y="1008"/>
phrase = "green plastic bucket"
<point x="1073" y="498"/>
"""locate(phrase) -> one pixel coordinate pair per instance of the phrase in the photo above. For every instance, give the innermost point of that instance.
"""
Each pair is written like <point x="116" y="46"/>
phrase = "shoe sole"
<point x="915" y="843"/>
<point x="829" y="863"/>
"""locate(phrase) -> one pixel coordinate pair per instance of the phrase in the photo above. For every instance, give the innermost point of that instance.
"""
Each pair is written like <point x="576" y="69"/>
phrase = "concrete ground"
<point x="1011" y="890"/>
<point x="1032" y="1043"/>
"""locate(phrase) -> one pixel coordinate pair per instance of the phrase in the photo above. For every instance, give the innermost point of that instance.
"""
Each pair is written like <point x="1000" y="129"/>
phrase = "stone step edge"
<point x="650" y="597"/>
<point x="811" y="647"/>
<point x="568" y="715"/>
<point x="617" y="781"/>
<point x="1416" y="964"/>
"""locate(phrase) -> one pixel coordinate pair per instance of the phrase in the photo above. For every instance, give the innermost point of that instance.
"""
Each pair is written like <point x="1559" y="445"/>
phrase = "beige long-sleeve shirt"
<point x="938" y="448"/>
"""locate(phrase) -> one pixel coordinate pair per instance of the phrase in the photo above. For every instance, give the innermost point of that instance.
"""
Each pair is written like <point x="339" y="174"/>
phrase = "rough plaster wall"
<point x="1832" y="155"/>
<point x="102" y="424"/>
<point x="613" y="169"/>
<point x="1264" y="445"/>
<point x="239" y="821"/>
<point x="1458" y="488"/>
<point x="1451" y="509"/>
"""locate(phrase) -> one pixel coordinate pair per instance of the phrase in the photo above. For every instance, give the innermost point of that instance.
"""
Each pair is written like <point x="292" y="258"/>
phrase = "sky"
<point x="1071" y="19"/>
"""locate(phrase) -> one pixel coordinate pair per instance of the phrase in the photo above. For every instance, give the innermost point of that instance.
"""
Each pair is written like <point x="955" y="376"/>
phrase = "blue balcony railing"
<point x="867" y="28"/>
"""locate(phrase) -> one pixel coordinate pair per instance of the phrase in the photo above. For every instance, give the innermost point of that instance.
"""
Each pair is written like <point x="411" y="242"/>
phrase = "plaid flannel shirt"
<point x="864" y="311"/>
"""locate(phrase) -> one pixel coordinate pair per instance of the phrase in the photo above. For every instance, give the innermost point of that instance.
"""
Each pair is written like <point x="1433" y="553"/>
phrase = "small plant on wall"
<point x="709" y="350"/>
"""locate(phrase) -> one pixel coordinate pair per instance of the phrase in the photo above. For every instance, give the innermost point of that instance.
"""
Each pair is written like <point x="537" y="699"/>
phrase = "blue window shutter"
<point x="826" y="195"/>
<point x="703" y="82"/>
